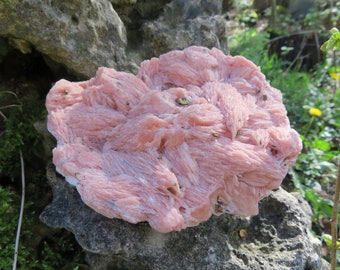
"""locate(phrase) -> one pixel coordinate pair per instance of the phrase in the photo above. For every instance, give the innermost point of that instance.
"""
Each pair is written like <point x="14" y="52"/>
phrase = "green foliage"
<point x="321" y="207"/>
<point x="60" y="253"/>
<point x="247" y="16"/>
<point x="17" y="130"/>
<point x="333" y="43"/>
<point x="328" y="240"/>
<point x="9" y="211"/>
<point x="316" y="168"/>
<point x="250" y="44"/>
<point x="323" y="14"/>
<point x="19" y="111"/>
<point x="293" y="84"/>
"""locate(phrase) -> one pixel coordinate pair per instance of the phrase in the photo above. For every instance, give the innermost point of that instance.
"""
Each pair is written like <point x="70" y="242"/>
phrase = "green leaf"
<point x="328" y="240"/>
<point x="334" y="31"/>
<point x="322" y="145"/>
<point x="325" y="46"/>
<point x="311" y="196"/>
<point x="333" y="43"/>
<point x="297" y="180"/>
<point x="334" y="69"/>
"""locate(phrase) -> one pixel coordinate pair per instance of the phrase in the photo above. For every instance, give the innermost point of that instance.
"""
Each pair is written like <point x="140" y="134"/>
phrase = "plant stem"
<point x="335" y="84"/>
<point x="21" y="211"/>
<point x="334" y="221"/>
<point x="274" y="15"/>
<point x="309" y="126"/>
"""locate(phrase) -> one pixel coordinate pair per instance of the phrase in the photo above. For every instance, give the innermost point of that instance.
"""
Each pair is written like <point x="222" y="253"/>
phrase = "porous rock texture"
<point x="84" y="35"/>
<point x="185" y="23"/>
<point x="195" y="133"/>
<point x="277" y="238"/>
<point x="80" y="35"/>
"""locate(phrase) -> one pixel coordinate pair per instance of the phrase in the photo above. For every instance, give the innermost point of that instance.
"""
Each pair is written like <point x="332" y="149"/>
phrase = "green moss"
<point x="9" y="211"/>
<point x="19" y="112"/>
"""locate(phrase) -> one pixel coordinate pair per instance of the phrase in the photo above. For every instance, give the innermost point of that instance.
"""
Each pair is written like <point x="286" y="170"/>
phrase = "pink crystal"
<point x="195" y="133"/>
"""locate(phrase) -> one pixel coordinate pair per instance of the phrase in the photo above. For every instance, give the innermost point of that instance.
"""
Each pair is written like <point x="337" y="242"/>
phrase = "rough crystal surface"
<point x="194" y="133"/>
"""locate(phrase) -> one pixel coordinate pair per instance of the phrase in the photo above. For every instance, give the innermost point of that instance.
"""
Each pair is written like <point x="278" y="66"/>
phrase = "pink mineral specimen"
<point x="195" y="133"/>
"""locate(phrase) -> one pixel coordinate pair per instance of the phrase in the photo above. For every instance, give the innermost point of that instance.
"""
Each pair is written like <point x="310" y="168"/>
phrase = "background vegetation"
<point x="285" y="48"/>
<point x="284" y="40"/>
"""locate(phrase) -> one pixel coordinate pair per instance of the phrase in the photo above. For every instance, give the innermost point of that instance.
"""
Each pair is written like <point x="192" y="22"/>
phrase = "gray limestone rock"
<point x="185" y="23"/>
<point x="81" y="35"/>
<point x="277" y="238"/>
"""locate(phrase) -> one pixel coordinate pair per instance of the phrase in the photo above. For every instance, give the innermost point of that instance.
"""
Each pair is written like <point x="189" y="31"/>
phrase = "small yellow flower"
<point x="335" y="75"/>
<point x="315" y="112"/>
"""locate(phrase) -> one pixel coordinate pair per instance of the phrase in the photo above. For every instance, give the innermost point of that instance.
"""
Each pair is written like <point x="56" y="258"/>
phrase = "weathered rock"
<point x="85" y="35"/>
<point x="277" y="238"/>
<point x="81" y="35"/>
<point x="185" y="23"/>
